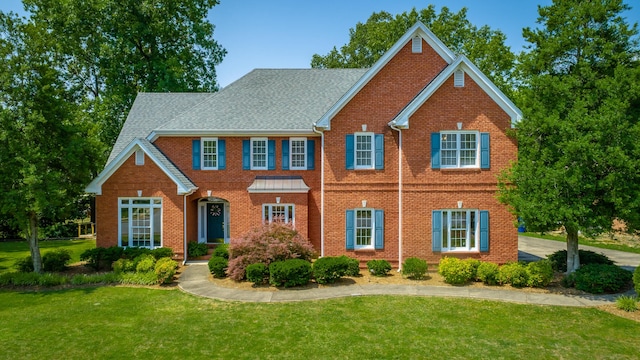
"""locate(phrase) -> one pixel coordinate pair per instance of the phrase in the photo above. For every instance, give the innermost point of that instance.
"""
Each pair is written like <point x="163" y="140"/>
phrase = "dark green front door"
<point x="215" y="223"/>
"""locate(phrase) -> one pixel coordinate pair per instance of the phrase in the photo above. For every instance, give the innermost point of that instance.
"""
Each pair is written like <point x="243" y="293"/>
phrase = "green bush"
<point x="291" y="272"/>
<point x="488" y="273"/>
<point x="415" y="268"/>
<point x="162" y="252"/>
<point x="627" y="303"/>
<point x="636" y="280"/>
<point x="218" y="266"/>
<point x="24" y="265"/>
<point x="601" y="278"/>
<point x="195" y="249"/>
<point x="353" y="266"/>
<point x="473" y="263"/>
<point x="106" y="278"/>
<point x="455" y="271"/>
<point x="559" y="259"/>
<point x="222" y="251"/>
<point x="328" y="269"/>
<point x="135" y="252"/>
<point x="539" y="273"/>
<point x="139" y="278"/>
<point x="165" y="268"/>
<point x="257" y="273"/>
<point x="100" y="258"/>
<point x="513" y="273"/>
<point x="379" y="267"/>
<point x="56" y="260"/>
<point x="145" y="263"/>
<point x="123" y="265"/>
<point x="32" y="279"/>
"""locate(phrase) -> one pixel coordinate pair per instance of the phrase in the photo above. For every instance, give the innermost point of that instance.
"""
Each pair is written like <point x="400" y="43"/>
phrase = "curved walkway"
<point x="194" y="280"/>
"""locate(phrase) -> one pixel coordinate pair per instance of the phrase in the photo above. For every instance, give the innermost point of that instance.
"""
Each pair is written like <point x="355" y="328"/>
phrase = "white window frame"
<point x="357" y="226"/>
<point x="472" y="231"/>
<point x="139" y="157"/>
<point x="289" y="211"/>
<point x="266" y="153"/>
<point x="372" y="150"/>
<point x="458" y="150"/>
<point x="154" y="205"/>
<point x="304" y="153"/>
<point x="204" y="154"/>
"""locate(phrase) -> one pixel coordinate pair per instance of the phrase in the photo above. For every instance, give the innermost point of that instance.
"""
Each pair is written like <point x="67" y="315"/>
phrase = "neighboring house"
<point x="395" y="161"/>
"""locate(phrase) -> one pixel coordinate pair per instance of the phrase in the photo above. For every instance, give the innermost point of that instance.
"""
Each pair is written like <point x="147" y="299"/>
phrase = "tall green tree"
<point x="369" y="41"/>
<point x="114" y="49"/>
<point x="46" y="147"/>
<point x="578" y="164"/>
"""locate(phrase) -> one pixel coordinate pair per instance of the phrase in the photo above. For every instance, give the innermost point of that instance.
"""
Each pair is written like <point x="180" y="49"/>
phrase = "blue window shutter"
<point x="435" y="150"/>
<point x="379" y="230"/>
<point x="311" y="154"/>
<point x="271" y="154"/>
<point x="246" y="155"/>
<point x="485" y="159"/>
<point x="195" y="154"/>
<point x="484" y="231"/>
<point x="285" y="154"/>
<point x="349" y="153"/>
<point x="436" y="230"/>
<point x="350" y="229"/>
<point x="222" y="154"/>
<point x="379" y="151"/>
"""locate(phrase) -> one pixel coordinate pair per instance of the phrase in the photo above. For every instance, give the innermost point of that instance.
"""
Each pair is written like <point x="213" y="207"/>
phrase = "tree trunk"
<point x="33" y="243"/>
<point x="573" y="256"/>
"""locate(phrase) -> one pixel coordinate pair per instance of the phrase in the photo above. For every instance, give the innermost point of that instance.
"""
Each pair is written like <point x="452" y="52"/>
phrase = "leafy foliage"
<point x="328" y="269"/>
<point x="514" y="273"/>
<point x="56" y="260"/>
<point x="196" y="249"/>
<point x="414" y="268"/>
<point x="221" y="250"/>
<point x="218" y="266"/>
<point x="627" y="303"/>
<point x="100" y="258"/>
<point x="123" y="265"/>
<point x="145" y="263"/>
<point x="601" y="278"/>
<point x="487" y="272"/>
<point x="353" y="266"/>
<point x="379" y="267"/>
<point x="455" y="271"/>
<point x="559" y="259"/>
<point x="164" y="269"/>
<point x="257" y="273"/>
<point x="290" y="272"/>
<point x="636" y="280"/>
<point x="539" y="273"/>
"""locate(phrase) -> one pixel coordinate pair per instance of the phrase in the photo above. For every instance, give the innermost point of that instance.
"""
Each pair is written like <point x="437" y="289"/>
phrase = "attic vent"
<point x="458" y="78"/>
<point x="416" y="45"/>
<point x="139" y="157"/>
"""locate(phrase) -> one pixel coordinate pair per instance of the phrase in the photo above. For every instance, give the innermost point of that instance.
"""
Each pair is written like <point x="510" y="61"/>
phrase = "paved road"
<point x="531" y="249"/>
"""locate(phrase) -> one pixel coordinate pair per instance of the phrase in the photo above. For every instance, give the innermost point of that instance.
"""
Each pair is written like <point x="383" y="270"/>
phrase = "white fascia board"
<point x="418" y="29"/>
<point x="230" y="133"/>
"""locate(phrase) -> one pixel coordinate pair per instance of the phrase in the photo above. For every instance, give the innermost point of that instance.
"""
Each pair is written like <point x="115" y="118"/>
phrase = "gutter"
<point x="184" y="224"/>
<point x="399" y="195"/>
<point x="315" y="130"/>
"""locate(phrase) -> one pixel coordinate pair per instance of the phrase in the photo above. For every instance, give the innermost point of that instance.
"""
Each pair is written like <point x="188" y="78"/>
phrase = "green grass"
<point x="127" y="323"/>
<point x="586" y="241"/>
<point x="16" y="250"/>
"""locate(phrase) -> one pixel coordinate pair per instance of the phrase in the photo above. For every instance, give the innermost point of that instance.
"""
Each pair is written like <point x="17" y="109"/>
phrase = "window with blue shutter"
<point x="436" y="230"/>
<point x="349" y="231"/>
<point x="379" y="230"/>
<point x="349" y="152"/>
<point x="246" y="155"/>
<point x="271" y="155"/>
<point x="484" y="231"/>
<point x="435" y="150"/>
<point x="485" y="159"/>
<point x="379" y="151"/>
<point x="222" y="154"/>
<point x="285" y="154"/>
<point x="195" y="154"/>
<point x="311" y="154"/>
<point x="460" y="230"/>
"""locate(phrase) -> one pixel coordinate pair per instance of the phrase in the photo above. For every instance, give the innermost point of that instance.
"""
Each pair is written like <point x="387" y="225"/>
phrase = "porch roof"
<point x="278" y="184"/>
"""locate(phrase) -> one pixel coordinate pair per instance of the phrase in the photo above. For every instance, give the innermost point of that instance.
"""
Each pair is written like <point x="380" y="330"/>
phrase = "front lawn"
<point x="18" y="250"/>
<point x="126" y="323"/>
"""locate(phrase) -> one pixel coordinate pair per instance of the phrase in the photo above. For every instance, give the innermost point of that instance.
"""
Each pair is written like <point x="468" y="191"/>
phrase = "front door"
<point x="215" y="223"/>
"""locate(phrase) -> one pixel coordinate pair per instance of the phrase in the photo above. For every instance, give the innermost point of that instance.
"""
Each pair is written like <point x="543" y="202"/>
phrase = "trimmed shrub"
<point x="123" y="265"/>
<point x="135" y="252"/>
<point x="473" y="263"/>
<point x="162" y="252"/>
<point x="139" y="278"/>
<point x="195" y="249"/>
<point x="636" y="280"/>
<point x="414" y="268"/>
<point x="267" y="244"/>
<point x="353" y="266"/>
<point x="379" y="267"/>
<point x="327" y="270"/>
<point x="627" y="303"/>
<point x="291" y="272"/>
<point x="222" y="251"/>
<point x="56" y="260"/>
<point x="559" y="259"/>
<point x="513" y="273"/>
<point x="257" y="273"/>
<point x="145" y="263"/>
<point x="455" y="271"/>
<point x="101" y="258"/>
<point x="165" y="268"/>
<point x="218" y="266"/>
<point x="539" y="273"/>
<point x="24" y="265"/>
<point x="601" y="278"/>
<point x="488" y="273"/>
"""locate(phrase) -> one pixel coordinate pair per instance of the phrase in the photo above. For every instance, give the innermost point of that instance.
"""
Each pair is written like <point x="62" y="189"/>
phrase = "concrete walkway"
<point x="194" y="280"/>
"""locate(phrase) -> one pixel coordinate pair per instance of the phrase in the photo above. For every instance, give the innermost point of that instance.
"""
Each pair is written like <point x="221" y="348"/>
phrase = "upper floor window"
<point x="209" y="154"/>
<point x="365" y="150"/>
<point x="259" y="154"/>
<point x="460" y="149"/>
<point x="298" y="151"/>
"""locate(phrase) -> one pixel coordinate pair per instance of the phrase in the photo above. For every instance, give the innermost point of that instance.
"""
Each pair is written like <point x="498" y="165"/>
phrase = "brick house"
<point x="389" y="162"/>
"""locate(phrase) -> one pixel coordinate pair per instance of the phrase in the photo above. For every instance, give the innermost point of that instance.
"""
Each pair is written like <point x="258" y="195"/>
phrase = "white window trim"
<point x="372" y="240"/>
<point x="267" y="210"/>
<point x="266" y="153"/>
<point x="458" y="166"/>
<point x="355" y="151"/>
<point x="139" y="157"/>
<point x="468" y="248"/>
<point x="304" y="141"/>
<point x="152" y="205"/>
<point x="202" y="156"/>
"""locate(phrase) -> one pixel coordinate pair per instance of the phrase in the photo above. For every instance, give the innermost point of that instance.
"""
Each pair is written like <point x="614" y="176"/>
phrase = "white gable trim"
<point x="461" y="63"/>
<point x="95" y="187"/>
<point x="417" y="30"/>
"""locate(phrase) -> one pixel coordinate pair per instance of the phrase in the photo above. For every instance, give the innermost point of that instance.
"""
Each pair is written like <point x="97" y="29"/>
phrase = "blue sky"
<point x="286" y="33"/>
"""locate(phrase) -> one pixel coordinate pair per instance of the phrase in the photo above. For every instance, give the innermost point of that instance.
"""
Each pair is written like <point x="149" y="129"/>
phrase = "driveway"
<point x="531" y="249"/>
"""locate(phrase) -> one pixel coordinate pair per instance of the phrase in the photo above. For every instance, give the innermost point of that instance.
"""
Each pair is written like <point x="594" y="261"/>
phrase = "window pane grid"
<point x="458" y="150"/>
<point x="279" y="213"/>
<point x="459" y="229"/>
<point x="209" y="154"/>
<point x="259" y="153"/>
<point x="364" y="149"/>
<point x="140" y="222"/>
<point x="298" y="156"/>
<point x="363" y="227"/>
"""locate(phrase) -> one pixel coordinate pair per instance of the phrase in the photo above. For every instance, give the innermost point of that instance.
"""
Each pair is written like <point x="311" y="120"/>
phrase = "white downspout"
<point x="399" y="196"/>
<point x="184" y="223"/>
<point x="315" y="129"/>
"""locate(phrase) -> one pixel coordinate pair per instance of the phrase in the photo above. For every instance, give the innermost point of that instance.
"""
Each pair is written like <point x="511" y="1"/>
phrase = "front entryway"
<point x="213" y="215"/>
